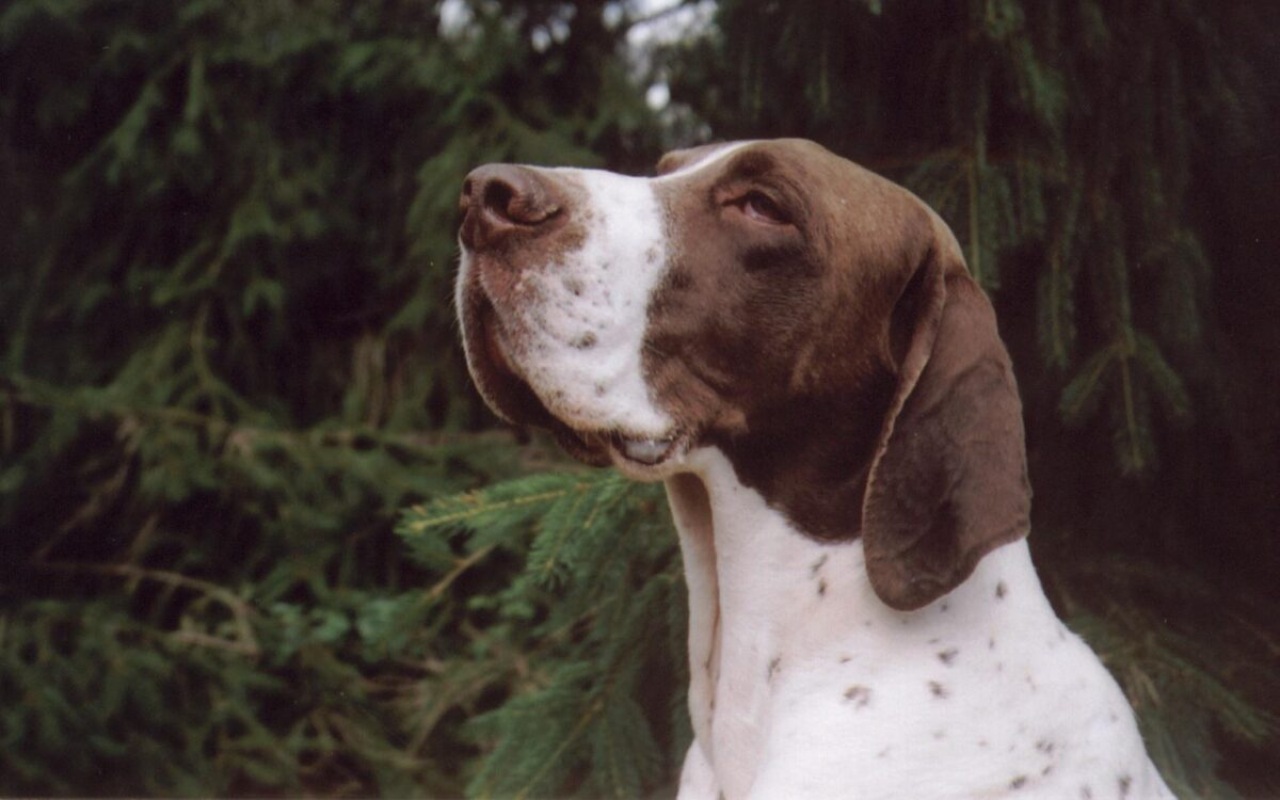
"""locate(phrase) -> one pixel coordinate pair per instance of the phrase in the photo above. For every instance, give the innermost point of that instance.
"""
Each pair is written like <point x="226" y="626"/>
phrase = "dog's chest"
<point x="801" y="677"/>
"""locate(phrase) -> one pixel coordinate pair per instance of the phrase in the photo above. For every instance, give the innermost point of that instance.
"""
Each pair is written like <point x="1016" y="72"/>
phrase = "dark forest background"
<point x="258" y="536"/>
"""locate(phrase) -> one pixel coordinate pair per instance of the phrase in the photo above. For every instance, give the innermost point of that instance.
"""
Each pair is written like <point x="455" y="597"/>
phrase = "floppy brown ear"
<point x="948" y="482"/>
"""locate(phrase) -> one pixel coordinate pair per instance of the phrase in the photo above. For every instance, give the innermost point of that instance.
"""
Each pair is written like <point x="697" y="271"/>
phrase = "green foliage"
<point x="1184" y="678"/>
<point x="228" y="359"/>
<point x="596" y="618"/>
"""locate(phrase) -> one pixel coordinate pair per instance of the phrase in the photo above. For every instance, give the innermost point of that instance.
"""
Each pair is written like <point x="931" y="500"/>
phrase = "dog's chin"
<point x="644" y="457"/>
<point x="636" y="457"/>
<point x="640" y="457"/>
<point x="648" y="459"/>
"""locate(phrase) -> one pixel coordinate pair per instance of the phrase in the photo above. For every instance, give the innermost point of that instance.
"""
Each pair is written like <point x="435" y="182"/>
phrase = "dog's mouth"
<point x="637" y="457"/>
<point x="645" y="457"/>
<point x="644" y="451"/>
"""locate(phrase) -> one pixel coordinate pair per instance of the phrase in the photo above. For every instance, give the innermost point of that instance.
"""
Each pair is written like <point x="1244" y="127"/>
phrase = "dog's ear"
<point x="948" y="482"/>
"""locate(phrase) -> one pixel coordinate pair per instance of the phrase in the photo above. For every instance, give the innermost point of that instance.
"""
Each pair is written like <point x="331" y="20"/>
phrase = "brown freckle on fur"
<point x="1046" y="770"/>
<point x="1125" y="783"/>
<point x="586" y="341"/>
<point x="944" y="608"/>
<point x="860" y="696"/>
<point x="883" y="753"/>
<point x="937" y="690"/>
<point x="774" y="666"/>
<point x="601" y="390"/>
<point x="822" y="587"/>
<point x="1045" y="746"/>
<point x="982" y="743"/>
<point x="948" y="656"/>
<point x="845" y="659"/>
<point x="573" y="286"/>
<point x="1001" y="590"/>
<point x="817" y="565"/>
<point x="991" y="643"/>
<point x="1018" y="782"/>
<point x="680" y="279"/>
<point x="939" y="735"/>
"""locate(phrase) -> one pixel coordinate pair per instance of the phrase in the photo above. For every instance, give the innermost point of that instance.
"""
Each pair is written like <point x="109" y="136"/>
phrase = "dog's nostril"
<point x="509" y="195"/>
<point x="500" y="198"/>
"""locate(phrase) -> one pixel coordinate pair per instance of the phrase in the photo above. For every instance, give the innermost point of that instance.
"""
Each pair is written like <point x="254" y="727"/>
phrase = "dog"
<point x="795" y="347"/>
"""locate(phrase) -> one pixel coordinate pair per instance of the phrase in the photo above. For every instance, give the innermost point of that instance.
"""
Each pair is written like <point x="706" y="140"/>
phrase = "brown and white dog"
<point x="795" y="347"/>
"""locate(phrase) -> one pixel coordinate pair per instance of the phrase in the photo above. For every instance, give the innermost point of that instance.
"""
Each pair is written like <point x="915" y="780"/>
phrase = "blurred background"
<point x="258" y="536"/>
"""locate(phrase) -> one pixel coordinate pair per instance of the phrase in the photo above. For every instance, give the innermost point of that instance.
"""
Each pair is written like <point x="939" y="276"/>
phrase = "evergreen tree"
<point x="228" y="357"/>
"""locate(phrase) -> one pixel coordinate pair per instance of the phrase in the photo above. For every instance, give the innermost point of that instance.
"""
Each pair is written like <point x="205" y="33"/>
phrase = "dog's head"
<point x="811" y="320"/>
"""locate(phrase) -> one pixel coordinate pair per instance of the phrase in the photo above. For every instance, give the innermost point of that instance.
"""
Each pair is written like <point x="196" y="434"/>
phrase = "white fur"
<point x="805" y="685"/>
<point x="581" y="349"/>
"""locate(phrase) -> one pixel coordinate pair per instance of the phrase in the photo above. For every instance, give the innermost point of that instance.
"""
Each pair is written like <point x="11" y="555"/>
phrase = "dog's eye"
<point x="761" y="208"/>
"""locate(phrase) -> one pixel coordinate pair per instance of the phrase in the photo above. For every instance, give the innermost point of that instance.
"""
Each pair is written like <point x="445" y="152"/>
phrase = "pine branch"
<point x="242" y="611"/>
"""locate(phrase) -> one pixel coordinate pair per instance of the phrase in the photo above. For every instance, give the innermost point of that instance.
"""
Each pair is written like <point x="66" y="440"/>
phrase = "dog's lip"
<point x="644" y="455"/>
<point x="646" y="451"/>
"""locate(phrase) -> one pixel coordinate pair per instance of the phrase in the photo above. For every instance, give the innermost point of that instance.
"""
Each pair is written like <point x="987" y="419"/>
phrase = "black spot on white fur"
<point x="948" y="656"/>
<point x="1018" y="782"/>
<point x="938" y="690"/>
<point x="1126" y="783"/>
<point x="1001" y="590"/>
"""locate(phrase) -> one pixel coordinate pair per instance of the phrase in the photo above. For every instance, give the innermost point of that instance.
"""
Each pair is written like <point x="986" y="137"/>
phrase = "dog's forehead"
<point x="681" y="163"/>
<point x="709" y="159"/>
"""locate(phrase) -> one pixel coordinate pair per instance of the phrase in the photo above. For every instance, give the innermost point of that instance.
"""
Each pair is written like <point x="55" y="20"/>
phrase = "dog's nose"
<point x="505" y="198"/>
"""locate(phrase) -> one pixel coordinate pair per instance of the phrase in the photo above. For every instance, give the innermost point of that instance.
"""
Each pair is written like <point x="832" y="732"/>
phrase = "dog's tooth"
<point x="646" y="451"/>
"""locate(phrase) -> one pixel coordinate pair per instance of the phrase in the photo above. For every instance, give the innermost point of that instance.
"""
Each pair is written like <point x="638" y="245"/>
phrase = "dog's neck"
<point x="754" y="585"/>
<point x="768" y="605"/>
